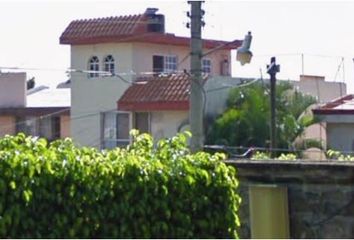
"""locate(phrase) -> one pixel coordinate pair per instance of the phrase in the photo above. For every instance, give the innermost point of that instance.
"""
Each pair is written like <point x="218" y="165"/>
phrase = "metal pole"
<point x="272" y="70"/>
<point x="196" y="94"/>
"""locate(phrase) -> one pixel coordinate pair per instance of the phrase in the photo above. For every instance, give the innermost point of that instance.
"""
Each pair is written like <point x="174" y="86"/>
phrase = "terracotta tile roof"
<point x="101" y="29"/>
<point x="132" y="28"/>
<point x="164" y="93"/>
<point x="342" y="105"/>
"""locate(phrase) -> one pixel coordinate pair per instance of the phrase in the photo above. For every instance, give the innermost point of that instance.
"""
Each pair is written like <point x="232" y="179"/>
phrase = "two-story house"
<point x="109" y="54"/>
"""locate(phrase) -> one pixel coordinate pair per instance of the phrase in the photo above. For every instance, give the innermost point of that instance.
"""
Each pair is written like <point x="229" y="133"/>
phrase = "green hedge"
<point x="61" y="191"/>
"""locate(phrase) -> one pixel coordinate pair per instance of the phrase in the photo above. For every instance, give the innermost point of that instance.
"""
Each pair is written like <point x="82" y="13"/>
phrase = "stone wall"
<point x="320" y="195"/>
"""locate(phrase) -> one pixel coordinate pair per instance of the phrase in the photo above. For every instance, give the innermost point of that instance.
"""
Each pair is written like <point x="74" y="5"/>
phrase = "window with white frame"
<point x="206" y="65"/>
<point x="109" y="64"/>
<point x="170" y="64"/>
<point x="116" y="126"/>
<point x="167" y="64"/>
<point x="94" y="66"/>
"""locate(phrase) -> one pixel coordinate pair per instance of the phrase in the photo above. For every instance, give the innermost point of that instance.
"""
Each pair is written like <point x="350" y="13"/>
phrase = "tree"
<point x="246" y="120"/>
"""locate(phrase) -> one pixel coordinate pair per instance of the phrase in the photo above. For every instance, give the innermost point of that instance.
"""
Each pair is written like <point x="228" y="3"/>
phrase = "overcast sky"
<point x="321" y="31"/>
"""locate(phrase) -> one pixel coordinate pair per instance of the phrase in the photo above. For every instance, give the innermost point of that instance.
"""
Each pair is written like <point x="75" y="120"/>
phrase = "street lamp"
<point x="244" y="55"/>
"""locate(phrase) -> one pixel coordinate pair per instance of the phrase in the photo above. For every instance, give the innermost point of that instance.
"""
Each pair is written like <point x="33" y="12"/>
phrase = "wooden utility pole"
<point x="196" y="89"/>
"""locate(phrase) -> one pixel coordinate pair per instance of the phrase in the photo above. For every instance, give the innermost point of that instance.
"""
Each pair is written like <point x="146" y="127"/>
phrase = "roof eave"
<point x="156" y="38"/>
<point x="333" y="111"/>
<point x="153" y="106"/>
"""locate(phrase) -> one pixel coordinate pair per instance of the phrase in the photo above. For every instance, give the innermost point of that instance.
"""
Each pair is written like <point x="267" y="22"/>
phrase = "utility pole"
<point x="272" y="70"/>
<point x="196" y="89"/>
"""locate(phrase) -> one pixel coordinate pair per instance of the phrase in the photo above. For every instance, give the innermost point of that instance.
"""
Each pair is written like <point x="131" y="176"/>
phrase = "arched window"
<point x="94" y="65"/>
<point x="109" y="64"/>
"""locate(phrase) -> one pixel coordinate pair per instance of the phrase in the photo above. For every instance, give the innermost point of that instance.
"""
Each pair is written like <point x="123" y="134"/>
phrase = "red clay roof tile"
<point x="132" y="28"/>
<point x="157" y="94"/>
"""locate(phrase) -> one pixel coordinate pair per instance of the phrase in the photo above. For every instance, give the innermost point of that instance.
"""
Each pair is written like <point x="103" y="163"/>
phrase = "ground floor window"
<point x="117" y="125"/>
<point x="46" y="127"/>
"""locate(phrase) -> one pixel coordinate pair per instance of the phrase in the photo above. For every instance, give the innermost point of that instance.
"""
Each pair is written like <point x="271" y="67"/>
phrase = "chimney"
<point x="155" y="22"/>
<point x="311" y="78"/>
<point x="13" y="89"/>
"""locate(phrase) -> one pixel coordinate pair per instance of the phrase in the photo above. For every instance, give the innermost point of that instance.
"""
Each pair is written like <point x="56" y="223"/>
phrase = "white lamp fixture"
<point x="244" y="55"/>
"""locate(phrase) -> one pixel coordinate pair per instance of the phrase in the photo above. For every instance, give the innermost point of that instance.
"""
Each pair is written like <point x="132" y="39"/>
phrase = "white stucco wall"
<point x="90" y="96"/>
<point x="165" y="123"/>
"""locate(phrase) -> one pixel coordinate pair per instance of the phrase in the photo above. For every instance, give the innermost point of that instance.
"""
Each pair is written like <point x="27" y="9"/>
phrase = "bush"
<point x="61" y="191"/>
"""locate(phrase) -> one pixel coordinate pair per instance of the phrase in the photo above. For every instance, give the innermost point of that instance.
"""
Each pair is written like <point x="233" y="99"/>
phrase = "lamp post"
<point x="272" y="70"/>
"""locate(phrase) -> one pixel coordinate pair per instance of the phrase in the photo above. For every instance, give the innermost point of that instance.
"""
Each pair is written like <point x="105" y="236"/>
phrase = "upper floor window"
<point x="170" y="64"/>
<point x="109" y="64"/>
<point x="94" y="66"/>
<point x="167" y="64"/>
<point x="206" y="65"/>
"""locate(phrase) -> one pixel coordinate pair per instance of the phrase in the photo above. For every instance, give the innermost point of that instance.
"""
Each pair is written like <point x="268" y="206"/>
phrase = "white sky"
<point x="320" y="30"/>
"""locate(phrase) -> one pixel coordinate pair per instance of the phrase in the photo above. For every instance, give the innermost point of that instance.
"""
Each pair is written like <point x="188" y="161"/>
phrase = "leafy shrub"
<point x="336" y="155"/>
<point x="266" y="156"/>
<point x="61" y="191"/>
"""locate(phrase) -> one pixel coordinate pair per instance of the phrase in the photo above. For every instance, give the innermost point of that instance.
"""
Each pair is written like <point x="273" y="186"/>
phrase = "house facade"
<point x="109" y="54"/>
<point x="339" y="118"/>
<point x="38" y="112"/>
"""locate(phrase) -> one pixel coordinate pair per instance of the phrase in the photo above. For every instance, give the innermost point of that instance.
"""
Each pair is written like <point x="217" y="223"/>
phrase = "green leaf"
<point x="12" y="185"/>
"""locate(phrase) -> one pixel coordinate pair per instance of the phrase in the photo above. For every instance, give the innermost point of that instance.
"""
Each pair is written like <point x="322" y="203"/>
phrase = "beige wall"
<point x="7" y="125"/>
<point x="65" y="126"/>
<point x="165" y="123"/>
<point x="13" y="89"/>
<point x="142" y="57"/>
<point x="316" y="86"/>
<point x="90" y="96"/>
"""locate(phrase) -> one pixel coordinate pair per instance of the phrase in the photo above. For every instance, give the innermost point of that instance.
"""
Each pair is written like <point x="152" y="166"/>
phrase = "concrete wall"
<point x="316" y="86"/>
<point x="142" y="57"/>
<point x="65" y="126"/>
<point x="90" y="96"/>
<point x="320" y="195"/>
<point x="7" y="125"/>
<point x="13" y="89"/>
<point x="217" y="91"/>
<point x="165" y="124"/>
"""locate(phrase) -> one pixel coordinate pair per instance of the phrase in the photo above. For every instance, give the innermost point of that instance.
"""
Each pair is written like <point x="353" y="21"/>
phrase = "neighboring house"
<point x="339" y="118"/>
<point x="38" y="112"/>
<point x="115" y="51"/>
<point x="324" y="92"/>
